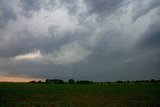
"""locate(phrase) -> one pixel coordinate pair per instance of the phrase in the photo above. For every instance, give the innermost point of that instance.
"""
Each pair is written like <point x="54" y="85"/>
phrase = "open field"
<point x="76" y="95"/>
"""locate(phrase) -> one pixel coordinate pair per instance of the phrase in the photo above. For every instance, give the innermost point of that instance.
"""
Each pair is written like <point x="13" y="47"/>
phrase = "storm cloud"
<point x="100" y="40"/>
<point x="6" y="13"/>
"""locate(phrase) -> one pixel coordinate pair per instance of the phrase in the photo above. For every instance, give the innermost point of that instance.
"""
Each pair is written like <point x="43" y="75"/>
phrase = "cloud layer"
<point x="101" y="40"/>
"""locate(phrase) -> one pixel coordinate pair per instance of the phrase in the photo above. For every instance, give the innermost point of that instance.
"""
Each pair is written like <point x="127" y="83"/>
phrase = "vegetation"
<point x="54" y="81"/>
<point x="109" y="94"/>
<point x="72" y="81"/>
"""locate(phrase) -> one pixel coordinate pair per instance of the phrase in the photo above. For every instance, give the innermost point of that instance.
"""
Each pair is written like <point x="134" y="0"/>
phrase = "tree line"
<point x="60" y="81"/>
<point x="72" y="81"/>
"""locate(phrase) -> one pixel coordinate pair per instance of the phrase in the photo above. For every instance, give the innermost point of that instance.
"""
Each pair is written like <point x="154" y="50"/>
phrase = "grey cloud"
<point x="110" y="58"/>
<point x="105" y="7"/>
<point x="55" y="38"/>
<point x="151" y="37"/>
<point x="6" y="13"/>
<point x="71" y="5"/>
<point x="30" y="6"/>
<point x="33" y="69"/>
<point x="25" y="42"/>
<point x="143" y="8"/>
<point x="146" y="50"/>
<point x="22" y="43"/>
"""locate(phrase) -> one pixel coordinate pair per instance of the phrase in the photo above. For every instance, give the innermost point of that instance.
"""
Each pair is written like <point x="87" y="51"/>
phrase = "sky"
<point x="99" y="40"/>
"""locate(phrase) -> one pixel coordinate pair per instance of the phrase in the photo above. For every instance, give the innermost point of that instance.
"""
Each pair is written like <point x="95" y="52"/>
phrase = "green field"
<point x="76" y="95"/>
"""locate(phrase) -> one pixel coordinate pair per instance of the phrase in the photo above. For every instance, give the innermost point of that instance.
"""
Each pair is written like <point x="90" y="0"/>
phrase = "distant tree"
<point x="54" y="81"/>
<point x="58" y="81"/>
<point x="127" y="81"/>
<point x="71" y="81"/>
<point x="84" y="82"/>
<point x="39" y="81"/>
<point x="158" y="81"/>
<point x="32" y="81"/>
<point x="51" y="81"/>
<point x="48" y="81"/>
<point x="119" y="82"/>
<point x="153" y="81"/>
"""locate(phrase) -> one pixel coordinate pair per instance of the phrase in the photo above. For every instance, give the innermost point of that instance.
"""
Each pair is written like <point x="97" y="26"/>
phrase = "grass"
<point x="76" y="95"/>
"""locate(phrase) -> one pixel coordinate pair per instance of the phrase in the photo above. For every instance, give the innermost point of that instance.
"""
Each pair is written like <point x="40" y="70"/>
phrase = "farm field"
<point x="79" y="95"/>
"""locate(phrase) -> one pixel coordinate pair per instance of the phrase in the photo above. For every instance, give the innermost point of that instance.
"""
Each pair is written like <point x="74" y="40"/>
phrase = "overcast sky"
<point x="99" y="40"/>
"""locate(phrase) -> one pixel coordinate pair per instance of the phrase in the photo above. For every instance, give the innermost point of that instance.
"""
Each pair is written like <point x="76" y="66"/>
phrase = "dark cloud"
<point x="25" y="42"/>
<point x="71" y="5"/>
<point x="144" y="8"/>
<point x="52" y="42"/>
<point x="105" y="7"/>
<point x="30" y="6"/>
<point x="81" y="47"/>
<point x="22" y="43"/>
<point x="6" y="13"/>
<point x="150" y="38"/>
